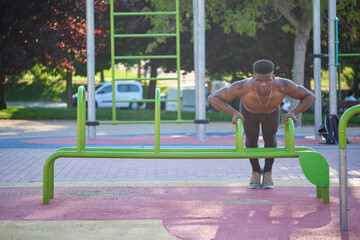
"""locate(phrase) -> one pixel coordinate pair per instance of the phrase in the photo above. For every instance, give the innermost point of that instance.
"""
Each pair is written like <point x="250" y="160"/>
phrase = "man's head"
<point x="263" y="75"/>
<point x="263" y="66"/>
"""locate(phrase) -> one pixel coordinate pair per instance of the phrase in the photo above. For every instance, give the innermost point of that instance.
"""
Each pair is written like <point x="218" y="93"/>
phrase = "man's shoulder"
<point x="243" y="82"/>
<point x="285" y="84"/>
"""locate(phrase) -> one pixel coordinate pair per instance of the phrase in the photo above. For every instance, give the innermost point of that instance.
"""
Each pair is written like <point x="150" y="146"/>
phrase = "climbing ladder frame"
<point x="313" y="164"/>
<point x="114" y="57"/>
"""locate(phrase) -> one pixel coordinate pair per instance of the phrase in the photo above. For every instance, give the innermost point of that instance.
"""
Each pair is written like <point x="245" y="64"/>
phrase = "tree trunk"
<point x="69" y="100"/>
<point x="300" y="43"/>
<point x="102" y="78"/>
<point x="152" y="87"/>
<point x="2" y="92"/>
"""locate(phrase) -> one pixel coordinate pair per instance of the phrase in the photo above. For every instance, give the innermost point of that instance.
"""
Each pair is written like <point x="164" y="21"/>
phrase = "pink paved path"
<point x="194" y="212"/>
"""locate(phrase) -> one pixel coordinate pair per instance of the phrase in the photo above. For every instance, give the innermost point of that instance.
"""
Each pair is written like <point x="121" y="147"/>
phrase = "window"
<point x="128" y="88"/>
<point x="134" y="88"/>
<point x="107" y="89"/>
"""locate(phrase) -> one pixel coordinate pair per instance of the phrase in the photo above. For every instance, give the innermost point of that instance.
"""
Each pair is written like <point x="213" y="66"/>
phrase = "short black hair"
<point x="263" y="66"/>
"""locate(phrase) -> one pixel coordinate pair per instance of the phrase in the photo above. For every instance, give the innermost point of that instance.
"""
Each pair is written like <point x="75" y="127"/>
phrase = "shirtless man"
<point x="261" y="96"/>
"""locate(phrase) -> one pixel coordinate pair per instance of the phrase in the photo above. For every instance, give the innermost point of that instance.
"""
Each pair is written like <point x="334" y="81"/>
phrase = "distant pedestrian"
<point x="350" y="96"/>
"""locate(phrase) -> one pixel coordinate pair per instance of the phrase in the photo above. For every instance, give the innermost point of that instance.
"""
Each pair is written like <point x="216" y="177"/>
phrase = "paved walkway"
<point x="163" y="198"/>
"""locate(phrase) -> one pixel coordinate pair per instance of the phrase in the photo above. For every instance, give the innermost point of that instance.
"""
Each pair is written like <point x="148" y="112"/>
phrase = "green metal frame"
<point x="343" y="123"/>
<point x="313" y="164"/>
<point x="176" y="56"/>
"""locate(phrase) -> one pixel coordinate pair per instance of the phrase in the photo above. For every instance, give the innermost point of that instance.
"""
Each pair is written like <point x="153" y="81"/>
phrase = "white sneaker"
<point x="255" y="181"/>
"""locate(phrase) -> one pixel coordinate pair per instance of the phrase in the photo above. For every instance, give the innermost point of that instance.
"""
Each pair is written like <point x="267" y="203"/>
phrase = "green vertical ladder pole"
<point x="114" y="57"/>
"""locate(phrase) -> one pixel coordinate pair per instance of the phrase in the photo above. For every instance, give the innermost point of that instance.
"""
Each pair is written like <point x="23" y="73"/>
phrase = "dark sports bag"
<point x="329" y="130"/>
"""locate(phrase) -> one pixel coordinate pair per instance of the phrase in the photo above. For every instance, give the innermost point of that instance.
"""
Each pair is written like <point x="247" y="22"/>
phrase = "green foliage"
<point x="289" y="29"/>
<point x="42" y="74"/>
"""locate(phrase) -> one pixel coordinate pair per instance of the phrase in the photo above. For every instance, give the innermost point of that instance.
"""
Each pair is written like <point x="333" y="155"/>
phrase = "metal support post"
<point x="199" y="61"/>
<point x="332" y="63"/>
<point x="317" y="67"/>
<point x="90" y="55"/>
<point x="343" y="190"/>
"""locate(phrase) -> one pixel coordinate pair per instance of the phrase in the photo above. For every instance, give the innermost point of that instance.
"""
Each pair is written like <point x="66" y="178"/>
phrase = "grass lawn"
<point x="36" y="113"/>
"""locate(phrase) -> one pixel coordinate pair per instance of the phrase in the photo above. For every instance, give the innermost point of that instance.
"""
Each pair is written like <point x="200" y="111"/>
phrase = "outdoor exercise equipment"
<point x="114" y="57"/>
<point x="343" y="165"/>
<point x="313" y="164"/>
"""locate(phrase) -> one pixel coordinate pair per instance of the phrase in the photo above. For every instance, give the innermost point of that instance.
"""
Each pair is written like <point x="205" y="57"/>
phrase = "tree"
<point x="51" y="33"/>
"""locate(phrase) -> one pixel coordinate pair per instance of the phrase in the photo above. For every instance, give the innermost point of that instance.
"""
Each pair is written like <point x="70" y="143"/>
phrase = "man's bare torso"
<point x="256" y="103"/>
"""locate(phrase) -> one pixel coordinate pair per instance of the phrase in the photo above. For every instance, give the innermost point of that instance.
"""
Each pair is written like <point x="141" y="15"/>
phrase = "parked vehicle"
<point x="123" y="91"/>
<point x="187" y="95"/>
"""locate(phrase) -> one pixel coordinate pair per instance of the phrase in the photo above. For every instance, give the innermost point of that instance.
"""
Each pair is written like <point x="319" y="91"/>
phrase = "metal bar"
<point x="332" y="66"/>
<point x="317" y="67"/>
<point x="343" y="190"/>
<point x="81" y="118"/>
<point x="112" y="58"/>
<point x="336" y="42"/>
<point x="90" y="56"/>
<point x="290" y="135"/>
<point x="199" y="41"/>
<point x="150" y="78"/>
<point x="157" y="121"/>
<point x="239" y="136"/>
<point x="145" y="35"/>
<point x="145" y="57"/>
<point x="177" y="18"/>
<point x="233" y="150"/>
<point x="346" y="55"/>
<point x="142" y="13"/>
<point x="343" y="165"/>
<point x="145" y="122"/>
<point x="147" y="100"/>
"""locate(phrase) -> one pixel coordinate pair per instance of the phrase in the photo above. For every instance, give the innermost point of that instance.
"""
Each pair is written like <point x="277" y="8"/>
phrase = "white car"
<point x="123" y="91"/>
<point x="187" y="95"/>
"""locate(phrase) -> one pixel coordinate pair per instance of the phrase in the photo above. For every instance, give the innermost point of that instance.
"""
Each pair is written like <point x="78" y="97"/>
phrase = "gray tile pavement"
<point x="25" y="165"/>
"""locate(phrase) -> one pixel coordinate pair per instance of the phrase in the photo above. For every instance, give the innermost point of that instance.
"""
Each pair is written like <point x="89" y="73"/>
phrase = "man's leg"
<point x="269" y="127"/>
<point x="251" y="128"/>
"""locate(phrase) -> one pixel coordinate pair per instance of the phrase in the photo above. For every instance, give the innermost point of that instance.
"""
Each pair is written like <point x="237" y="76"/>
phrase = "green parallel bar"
<point x="232" y="150"/>
<point x="145" y="35"/>
<point x="239" y="136"/>
<point x="343" y="123"/>
<point x="142" y="13"/>
<point x="145" y="122"/>
<point x="157" y="121"/>
<point x="145" y="78"/>
<point x="147" y="100"/>
<point x="175" y="155"/>
<point x="112" y="58"/>
<point x="178" y="57"/>
<point x="346" y="55"/>
<point x="145" y="57"/>
<point x="290" y="135"/>
<point x="81" y="119"/>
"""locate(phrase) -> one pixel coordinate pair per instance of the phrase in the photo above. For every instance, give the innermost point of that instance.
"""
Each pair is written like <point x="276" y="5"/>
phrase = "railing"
<point x="343" y="165"/>
<point x="313" y="164"/>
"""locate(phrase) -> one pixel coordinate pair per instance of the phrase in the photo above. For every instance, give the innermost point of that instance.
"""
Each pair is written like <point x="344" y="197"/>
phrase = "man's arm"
<point x="220" y="98"/>
<point x="306" y="97"/>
